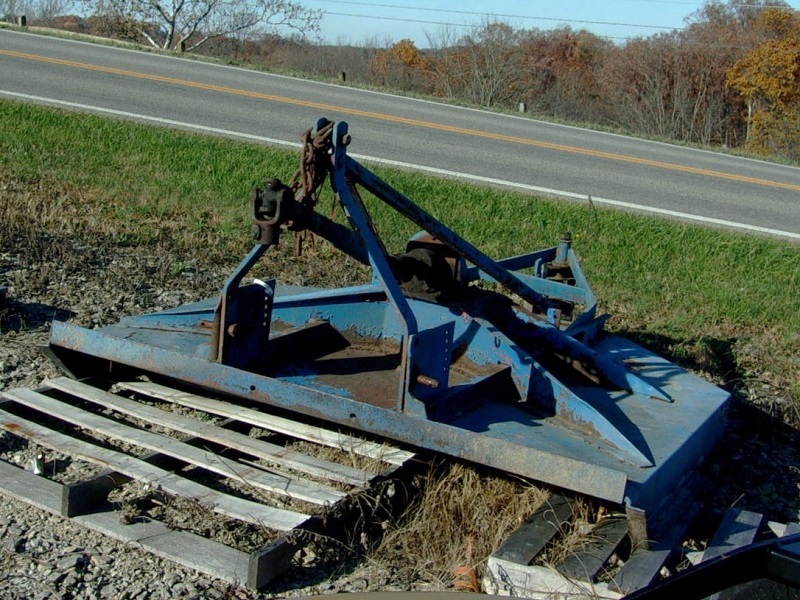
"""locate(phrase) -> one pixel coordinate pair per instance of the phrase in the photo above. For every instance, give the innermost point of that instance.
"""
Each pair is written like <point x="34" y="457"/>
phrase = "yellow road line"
<point x="405" y="121"/>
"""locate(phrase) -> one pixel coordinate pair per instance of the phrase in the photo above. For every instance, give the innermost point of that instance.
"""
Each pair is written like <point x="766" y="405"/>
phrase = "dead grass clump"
<point x="40" y="206"/>
<point x="463" y="516"/>
<point x="574" y="535"/>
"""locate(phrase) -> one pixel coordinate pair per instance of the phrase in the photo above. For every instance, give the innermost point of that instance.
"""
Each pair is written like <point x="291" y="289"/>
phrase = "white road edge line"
<point x="434" y="170"/>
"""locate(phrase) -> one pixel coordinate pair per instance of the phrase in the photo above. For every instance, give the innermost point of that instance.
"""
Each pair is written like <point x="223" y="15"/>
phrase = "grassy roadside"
<point x="717" y="301"/>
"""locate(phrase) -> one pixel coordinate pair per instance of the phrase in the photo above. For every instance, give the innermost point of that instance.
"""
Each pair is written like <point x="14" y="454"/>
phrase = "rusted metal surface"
<point x="518" y="375"/>
<point x="502" y="435"/>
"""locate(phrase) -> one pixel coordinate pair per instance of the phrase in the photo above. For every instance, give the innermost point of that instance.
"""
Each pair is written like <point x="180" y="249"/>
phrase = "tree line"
<point x="730" y="78"/>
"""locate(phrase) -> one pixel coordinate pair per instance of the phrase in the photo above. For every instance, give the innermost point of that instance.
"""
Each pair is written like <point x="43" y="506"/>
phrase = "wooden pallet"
<point x="511" y="570"/>
<point x="52" y="416"/>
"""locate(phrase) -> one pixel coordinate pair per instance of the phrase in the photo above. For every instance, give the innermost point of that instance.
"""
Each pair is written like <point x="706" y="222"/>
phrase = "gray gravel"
<point x="45" y="556"/>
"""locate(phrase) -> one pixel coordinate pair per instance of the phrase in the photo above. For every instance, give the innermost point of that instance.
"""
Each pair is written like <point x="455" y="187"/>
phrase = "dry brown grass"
<point x="463" y="515"/>
<point x="575" y="534"/>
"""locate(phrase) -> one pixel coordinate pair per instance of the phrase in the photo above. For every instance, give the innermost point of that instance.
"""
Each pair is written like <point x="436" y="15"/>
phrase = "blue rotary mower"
<point x="504" y="363"/>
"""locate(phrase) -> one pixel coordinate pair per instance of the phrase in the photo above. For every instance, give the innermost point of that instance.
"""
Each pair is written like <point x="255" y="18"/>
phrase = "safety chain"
<point x="315" y="164"/>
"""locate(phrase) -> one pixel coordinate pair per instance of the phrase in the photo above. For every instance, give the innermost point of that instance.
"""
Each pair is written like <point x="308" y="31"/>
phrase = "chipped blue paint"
<point x="555" y="399"/>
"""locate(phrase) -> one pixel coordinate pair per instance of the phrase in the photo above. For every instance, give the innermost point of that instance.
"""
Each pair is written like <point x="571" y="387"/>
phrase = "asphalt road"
<point x="478" y="145"/>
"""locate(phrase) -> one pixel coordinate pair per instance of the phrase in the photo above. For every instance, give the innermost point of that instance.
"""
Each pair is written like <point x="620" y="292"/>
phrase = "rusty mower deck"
<point x="518" y="375"/>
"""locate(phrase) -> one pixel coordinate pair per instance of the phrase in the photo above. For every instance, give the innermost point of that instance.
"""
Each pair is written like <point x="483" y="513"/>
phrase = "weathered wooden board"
<point x="237" y="508"/>
<point x="585" y="564"/>
<point x="231" y="439"/>
<point x="272" y="482"/>
<point x="60" y="421"/>
<point x="738" y="528"/>
<point x="526" y="542"/>
<point x="191" y="550"/>
<point x="310" y="433"/>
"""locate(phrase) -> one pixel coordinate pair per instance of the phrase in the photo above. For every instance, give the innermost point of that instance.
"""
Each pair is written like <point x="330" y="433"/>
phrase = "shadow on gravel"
<point x="22" y="316"/>
<point x="756" y="465"/>
<point x="333" y="576"/>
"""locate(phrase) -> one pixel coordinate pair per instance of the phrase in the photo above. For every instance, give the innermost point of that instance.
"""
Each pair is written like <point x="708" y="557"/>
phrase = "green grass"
<point x="660" y="278"/>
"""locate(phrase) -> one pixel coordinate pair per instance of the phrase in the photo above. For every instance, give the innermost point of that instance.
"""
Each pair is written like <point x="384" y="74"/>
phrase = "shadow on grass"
<point x="756" y="465"/>
<point x="713" y="356"/>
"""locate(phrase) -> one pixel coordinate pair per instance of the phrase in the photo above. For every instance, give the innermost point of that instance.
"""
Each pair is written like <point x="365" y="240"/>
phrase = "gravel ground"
<point x="43" y="556"/>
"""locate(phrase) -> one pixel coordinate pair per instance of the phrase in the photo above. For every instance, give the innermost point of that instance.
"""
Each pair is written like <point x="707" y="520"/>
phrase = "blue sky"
<point x="382" y="21"/>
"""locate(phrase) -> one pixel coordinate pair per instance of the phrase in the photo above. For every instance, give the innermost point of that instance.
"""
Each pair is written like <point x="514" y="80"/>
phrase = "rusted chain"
<point x="315" y="164"/>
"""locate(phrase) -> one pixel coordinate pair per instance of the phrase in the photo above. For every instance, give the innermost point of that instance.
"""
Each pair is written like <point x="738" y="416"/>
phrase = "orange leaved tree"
<point x="768" y="79"/>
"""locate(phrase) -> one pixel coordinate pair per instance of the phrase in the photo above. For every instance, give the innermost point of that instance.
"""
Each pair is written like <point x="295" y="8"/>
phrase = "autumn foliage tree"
<point x="482" y="67"/>
<point x="38" y="12"/>
<point x="768" y="79"/>
<point x="730" y="77"/>
<point x="401" y="66"/>
<point x="668" y="87"/>
<point x="561" y="73"/>
<point x="492" y="56"/>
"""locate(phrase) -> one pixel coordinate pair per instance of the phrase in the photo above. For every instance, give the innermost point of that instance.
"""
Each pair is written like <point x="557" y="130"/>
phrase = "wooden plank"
<point x="309" y="433"/>
<point x="508" y="579"/>
<point x="231" y="439"/>
<point x="777" y="529"/>
<point x="27" y="487"/>
<point x="644" y="565"/>
<point x="268" y="562"/>
<point x="791" y="529"/>
<point x="586" y="563"/>
<point x="784" y="529"/>
<point x="66" y="500"/>
<point x="85" y="496"/>
<point x="526" y="542"/>
<point x="89" y="494"/>
<point x="641" y="569"/>
<point x="196" y="552"/>
<point x="237" y="508"/>
<point x="738" y="528"/>
<point x="182" y="547"/>
<point x="272" y="482"/>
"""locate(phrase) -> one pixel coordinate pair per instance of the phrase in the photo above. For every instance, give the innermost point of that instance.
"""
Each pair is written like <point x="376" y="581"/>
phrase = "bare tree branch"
<point x="187" y="24"/>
